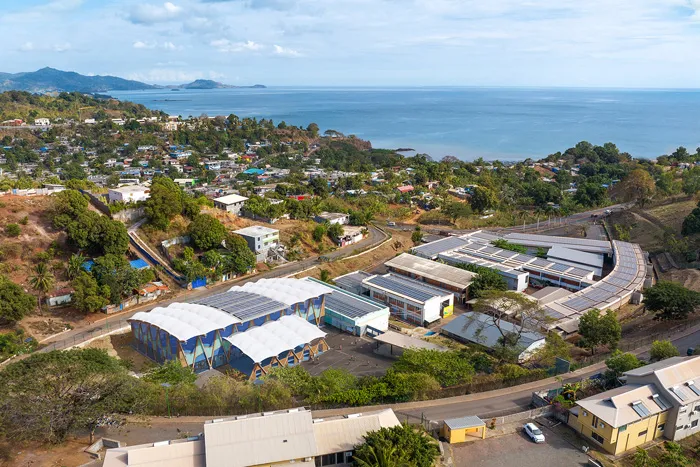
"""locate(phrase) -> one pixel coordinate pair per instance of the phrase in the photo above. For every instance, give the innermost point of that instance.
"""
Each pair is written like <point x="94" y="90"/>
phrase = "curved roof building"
<point x="253" y="327"/>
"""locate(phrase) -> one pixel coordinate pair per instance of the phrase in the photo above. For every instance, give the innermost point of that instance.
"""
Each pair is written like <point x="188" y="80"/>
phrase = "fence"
<point x="633" y="344"/>
<point x="110" y="325"/>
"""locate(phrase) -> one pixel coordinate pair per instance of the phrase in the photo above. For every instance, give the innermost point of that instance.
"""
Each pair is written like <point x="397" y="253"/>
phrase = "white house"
<point x="230" y="203"/>
<point x="42" y="122"/>
<point x="129" y="194"/>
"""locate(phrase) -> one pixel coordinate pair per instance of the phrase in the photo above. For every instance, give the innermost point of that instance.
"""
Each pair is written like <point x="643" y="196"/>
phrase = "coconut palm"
<point x="75" y="264"/>
<point x="42" y="281"/>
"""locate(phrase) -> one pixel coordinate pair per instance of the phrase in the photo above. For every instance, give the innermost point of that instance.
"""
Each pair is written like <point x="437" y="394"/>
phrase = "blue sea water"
<point x="493" y="123"/>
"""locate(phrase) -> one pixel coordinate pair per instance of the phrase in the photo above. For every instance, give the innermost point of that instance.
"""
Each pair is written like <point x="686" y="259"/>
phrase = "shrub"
<point x="13" y="230"/>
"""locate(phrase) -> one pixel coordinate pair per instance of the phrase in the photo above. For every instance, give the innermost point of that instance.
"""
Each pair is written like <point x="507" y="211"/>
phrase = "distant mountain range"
<point x="52" y="80"/>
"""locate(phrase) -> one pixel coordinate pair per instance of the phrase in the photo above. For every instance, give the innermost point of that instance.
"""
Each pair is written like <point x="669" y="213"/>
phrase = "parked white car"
<point x="533" y="432"/>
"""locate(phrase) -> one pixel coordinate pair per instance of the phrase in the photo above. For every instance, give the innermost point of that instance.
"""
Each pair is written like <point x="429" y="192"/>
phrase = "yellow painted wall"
<point x="616" y="441"/>
<point x="462" y="434"/>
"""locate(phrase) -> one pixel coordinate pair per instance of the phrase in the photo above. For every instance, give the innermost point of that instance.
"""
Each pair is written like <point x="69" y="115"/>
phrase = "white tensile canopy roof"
<point x="185" y="323"/>
<point x="271" y="339"/>
<point x="287" y="291"/>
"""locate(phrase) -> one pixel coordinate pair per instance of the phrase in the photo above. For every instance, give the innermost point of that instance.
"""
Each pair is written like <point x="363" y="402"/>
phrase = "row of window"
<point x="395" y="302"/>
<point x="334" y="459"/>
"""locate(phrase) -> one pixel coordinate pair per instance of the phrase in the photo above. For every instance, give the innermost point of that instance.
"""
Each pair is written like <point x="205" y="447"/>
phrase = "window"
<point x="643" y="433"/>
<point x="693" y="424"/>
<point x="340" y="458"/>
<point x="595" y="421"/>
<point x="598" y="438"/>
<point x="661" y="427"/>
<point x="585" y="414"/>
<point x="622" y="428"/>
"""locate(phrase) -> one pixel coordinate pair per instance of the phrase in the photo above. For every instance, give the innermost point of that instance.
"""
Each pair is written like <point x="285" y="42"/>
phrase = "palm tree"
<point x="42" y="281"/>
<point x="381" y="456"/>
<point x="75" y="264"/>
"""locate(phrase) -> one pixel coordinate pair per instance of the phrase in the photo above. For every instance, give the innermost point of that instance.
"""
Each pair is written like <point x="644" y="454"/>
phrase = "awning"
<point x="273" y="338"/>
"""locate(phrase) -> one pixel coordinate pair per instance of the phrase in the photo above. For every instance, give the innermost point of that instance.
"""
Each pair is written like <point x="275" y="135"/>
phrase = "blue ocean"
<point x="493" y="123"/>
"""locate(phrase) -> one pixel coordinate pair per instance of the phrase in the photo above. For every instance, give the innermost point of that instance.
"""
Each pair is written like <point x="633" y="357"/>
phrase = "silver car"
<point x="533" y="432"/>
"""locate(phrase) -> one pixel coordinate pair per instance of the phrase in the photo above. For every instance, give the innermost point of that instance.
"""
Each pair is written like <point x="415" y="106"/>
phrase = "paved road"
<point x="80" y="334"/>
<point x="582" y="217"/>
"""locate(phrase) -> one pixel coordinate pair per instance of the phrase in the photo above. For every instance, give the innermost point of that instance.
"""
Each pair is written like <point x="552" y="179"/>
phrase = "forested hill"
<point x="27" y="106"/>
<point x="50" y="79"/>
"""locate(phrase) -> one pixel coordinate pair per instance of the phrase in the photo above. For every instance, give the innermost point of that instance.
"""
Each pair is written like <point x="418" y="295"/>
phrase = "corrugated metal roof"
<point x="470" y="421"/>
<point x="405" y="287"/>
<point x="352" y="280"/>
<point x="431" y="250"/>
<point x="260" y="439"/>
<point x="343" y="434"/>
<point x="576" y="256"/>
<point x="406" y="342"/>
<point x="429" y="269"/>
<point x="349" y="304"/>
<point x="480" y="328"/>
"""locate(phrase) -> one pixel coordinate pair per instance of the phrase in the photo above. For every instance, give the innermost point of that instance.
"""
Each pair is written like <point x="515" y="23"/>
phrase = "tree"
<point x="511" y="314"/>
<point x="206" y="232"/>
<point x="504" y="244"/>
<point x="398" y="446"/>
<point x="171" y="372"/>
<point x="457" y="210"/>
<point x="325" y="276"/>
<point x="639" y="186"/>
<point x="598" y="329"/>
<point x="319" y="186"/>
<point x="51" y="395"/>
<point x="486" y="279"/>
<point x="164" y="202"/>
<point x="75" y="265"/>
<point x="417" y="236"/>
<point x="691" y="223"/>
<point x="15" y="303"/>
<point x="661" y="350"/>
<point x="88" y="295"/>
<point x="13" y="230"/>
<point x="448" y="368"/>
<point x="482" y="199"/>
<point x="691" y="180"/>
<point x="619" y="363"/>
<point x="590" y="194"/>
<point x="670" y="300"/>
<point x="66" y="206"/>
<point x="116" y="273"/>
<point x="241" y="259"/>
<point x="335" y="232"/>
<point x="42" y="280"/>
<point x="643" y="459"/>
<point x="318" y="233"/>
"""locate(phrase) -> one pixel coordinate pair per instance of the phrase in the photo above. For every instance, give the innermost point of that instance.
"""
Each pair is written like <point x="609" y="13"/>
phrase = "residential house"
<point x="230" y="203"/>
<point x="658" y="400"/>
<point x="260" y="239"/>
<point x="129" y="194"/>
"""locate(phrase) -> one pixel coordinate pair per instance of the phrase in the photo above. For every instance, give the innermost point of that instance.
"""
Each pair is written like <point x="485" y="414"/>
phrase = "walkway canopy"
<point x="275" y="337"/>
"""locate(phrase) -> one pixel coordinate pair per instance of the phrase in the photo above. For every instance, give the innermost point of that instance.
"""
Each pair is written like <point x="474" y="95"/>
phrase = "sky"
<point x="571" y="43"/>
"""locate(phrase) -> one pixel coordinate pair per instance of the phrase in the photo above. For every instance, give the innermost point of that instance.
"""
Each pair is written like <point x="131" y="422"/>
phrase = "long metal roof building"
<point x="425" y="268"/>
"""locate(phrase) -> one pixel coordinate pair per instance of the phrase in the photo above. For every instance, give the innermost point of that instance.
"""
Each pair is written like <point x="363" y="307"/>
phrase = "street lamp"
<point x="167" y="386"/>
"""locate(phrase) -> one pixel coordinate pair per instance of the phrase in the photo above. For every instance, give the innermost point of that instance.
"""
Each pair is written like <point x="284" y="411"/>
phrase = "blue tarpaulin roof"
<point x="139" y="264"/>
<point x="87" y="265"/>
<point x="254" y="171"/>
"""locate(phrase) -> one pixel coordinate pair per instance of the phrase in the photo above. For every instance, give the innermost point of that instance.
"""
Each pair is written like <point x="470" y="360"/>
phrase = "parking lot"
<point x="561" y="448"/>
<point x="351" y="353"/>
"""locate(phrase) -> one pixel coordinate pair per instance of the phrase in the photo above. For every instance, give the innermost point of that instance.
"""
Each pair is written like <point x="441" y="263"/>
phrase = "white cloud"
<point x="279" y="50"/>
<point x="224" y="45"/>
<point x="150" y="14"/>
<point x="64" y="47"/>
<point x="27" y="47"/>
<point x="155" y="45"/>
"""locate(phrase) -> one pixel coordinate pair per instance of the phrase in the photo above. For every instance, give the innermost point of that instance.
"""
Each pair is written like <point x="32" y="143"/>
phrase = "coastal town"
<point x="218" y="290"/>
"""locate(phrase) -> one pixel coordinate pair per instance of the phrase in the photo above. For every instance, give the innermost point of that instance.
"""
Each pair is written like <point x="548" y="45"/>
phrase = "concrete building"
<point x="230" y="203"/>
<point x="411" y="300"/>
<point x="353" y="313"/>
<point x="479" y="328"/>
<point x="129" y="194"/>
<point x="42" y="122"/>
<point x="60" y="297"/>
<point x="658" y="400"/>
<point x="459" y="430"/>
<point x="260" y="239"/>
<point x="333" y="218"/>
<point x="351" y="235"/>
<point x="440" y="275"/>
<point x="266" y="439"/>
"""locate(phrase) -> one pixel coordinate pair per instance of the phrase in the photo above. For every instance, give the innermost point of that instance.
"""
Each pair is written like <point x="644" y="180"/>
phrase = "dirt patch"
<point x="690" y="278"/>
<point x="70" y="453"/>
<point x="119" y="346"/>
<point x="400" y="243"/>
